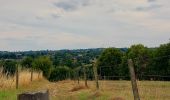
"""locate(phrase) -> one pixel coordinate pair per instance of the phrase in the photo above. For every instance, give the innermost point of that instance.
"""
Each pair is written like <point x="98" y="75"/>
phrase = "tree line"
<point x="150" y="63"/>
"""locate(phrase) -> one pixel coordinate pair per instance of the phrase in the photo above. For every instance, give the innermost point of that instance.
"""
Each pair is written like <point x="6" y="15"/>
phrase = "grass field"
<point x="109" y="90"/>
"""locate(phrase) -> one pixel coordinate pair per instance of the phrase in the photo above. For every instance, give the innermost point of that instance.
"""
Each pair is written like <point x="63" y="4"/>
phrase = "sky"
<point x="75" y="24"/>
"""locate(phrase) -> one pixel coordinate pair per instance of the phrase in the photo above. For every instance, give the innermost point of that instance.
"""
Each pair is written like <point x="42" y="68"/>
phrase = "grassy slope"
<point x="109" y="89"/>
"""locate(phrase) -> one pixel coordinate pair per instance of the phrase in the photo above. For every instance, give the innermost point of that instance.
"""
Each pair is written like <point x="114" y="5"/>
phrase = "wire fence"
<point x="151" y="86"/>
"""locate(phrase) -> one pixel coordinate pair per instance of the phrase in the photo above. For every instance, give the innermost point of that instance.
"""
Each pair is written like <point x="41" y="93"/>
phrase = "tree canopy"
<point x="44" y="64"/>
<point x="109" y="61"/>
<point x="27" y="62"/>
<point x="140" y="56"/>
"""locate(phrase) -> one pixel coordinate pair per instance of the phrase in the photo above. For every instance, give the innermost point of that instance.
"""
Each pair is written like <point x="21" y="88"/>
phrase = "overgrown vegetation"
<point x="60" y="73"/>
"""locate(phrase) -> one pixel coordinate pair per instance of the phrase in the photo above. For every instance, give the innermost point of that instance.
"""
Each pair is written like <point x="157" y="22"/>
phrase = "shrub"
<point x="9" y="68"/>
<point x="60" y="73"/>
<point x="44" y="64"/>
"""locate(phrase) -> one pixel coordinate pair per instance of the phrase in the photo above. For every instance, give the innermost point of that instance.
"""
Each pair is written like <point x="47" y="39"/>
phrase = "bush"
<point x="9" y="68"/>
<point x="60" y="73"/>
<point x="44" y="64"/>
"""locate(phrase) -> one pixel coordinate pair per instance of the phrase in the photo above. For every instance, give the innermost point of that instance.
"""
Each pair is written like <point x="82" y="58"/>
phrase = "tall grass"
<point x="24" y="79"/>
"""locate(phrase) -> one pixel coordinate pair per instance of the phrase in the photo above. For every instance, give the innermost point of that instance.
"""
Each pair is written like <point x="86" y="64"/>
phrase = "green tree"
<point x="44" y="64"/>
<point x="124" y="70"/>
<point x="27" y="62"/>
<point x="140" y="56"/>
<point x="60" y="73"/>
<point x="162" y="60"/>
<point x="110" y="61"/>
<point x="9" y="68"/>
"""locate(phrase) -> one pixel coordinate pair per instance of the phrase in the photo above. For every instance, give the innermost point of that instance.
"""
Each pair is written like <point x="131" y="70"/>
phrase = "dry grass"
<point x="24" y="79"/>
<point x="77" y="88"/>
<point x="109" y="90"/>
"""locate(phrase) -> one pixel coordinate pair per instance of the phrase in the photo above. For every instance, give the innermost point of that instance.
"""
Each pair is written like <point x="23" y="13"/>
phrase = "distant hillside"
<point x="93" y="52"/>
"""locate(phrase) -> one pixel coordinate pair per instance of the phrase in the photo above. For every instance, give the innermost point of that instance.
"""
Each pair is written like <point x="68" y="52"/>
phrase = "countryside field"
<point x="85" y="49"/>
<point x="109" y="90"/>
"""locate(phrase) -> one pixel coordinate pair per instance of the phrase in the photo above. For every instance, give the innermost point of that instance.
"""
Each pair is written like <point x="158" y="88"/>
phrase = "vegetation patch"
<point x="77" y="88"/>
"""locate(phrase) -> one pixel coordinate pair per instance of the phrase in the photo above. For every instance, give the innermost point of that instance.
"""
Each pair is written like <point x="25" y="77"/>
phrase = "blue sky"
<point x="74" y="24"/>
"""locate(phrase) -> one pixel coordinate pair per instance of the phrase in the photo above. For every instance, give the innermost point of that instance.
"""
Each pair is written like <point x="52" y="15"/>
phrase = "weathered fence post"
<point x="133" y="80"/>
<point x="18" y="56"/>
<point x="78" y="79"/>
<point x="85" y="76"/>
<point x="41" y="95"/>
<point x="32" y="71"/>
<point x="96" y="75"/>
<point x="17" y="76"/>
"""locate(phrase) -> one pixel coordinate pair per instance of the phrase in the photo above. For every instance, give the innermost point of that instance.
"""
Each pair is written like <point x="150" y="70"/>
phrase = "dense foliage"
<point x="62" y="64"/>
<point x="148" y="63"/>
<point x="140" y="56"/>
<point x="60" y="73"/>
<point x="161" y="60"/>
<point x="109" y="62"/>
<point x="9" y="68"/>
<point x="44" y="64"/>
<point x="27" y="62"/>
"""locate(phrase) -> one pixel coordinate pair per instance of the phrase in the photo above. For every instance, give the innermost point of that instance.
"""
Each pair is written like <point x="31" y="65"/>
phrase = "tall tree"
<point x="162" y="59"/>
<point x="140" y="56"/>
<point x="124" y="70"/>
<point x="109" y="61"/>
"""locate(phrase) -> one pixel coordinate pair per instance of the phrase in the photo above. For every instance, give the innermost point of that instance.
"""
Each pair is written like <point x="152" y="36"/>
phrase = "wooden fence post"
<point x="133" y="80"/>
<point x="17" y="76"/>
<point x="85" y="76"/>
<point x="96" y="75"/>
<point x="78" y="79"/>
<point x="32" y="71"/>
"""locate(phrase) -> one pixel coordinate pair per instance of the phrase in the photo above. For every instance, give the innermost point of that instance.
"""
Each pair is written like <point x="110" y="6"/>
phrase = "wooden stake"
<point x="78" y="77"/>
<point x="17" y="76"/>
<point x="96" y="75"/>
<point x="85" y="76"/>
<point x="31" y="74"/>
<point x="133" y="80"/>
